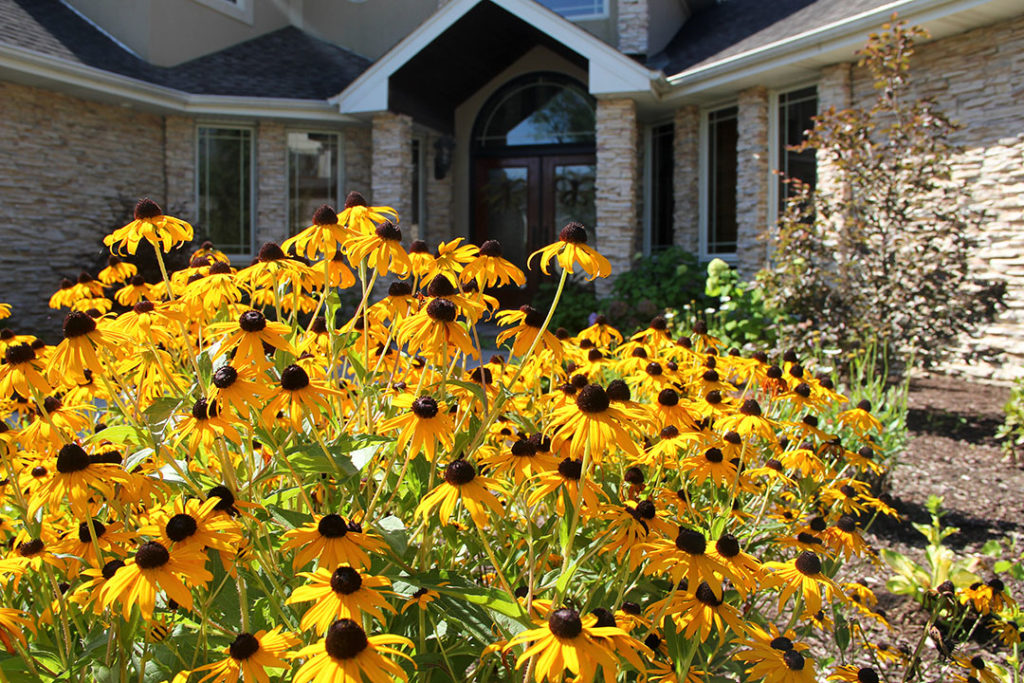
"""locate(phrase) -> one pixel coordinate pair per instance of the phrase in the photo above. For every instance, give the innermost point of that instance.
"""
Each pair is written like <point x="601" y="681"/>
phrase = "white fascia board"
<point x="831" y="42"/>
<point x="32" y="68"/>
<point x="611" y="72"/>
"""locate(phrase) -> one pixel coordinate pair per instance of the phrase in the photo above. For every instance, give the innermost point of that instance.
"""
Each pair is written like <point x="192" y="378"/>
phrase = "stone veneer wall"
<point x="752" y="178"/>
<point x="633" y="25"/>
<point x="617" y="185"/>
<point x="358" y="156"/>
<point x="271" y="183"/>
<point x="71" y="171"/>
<point x="975" y="78"/>
<point x="391" y="168"/>
<point x="437" y="224"/>
<point x="685" y="175"/>
<point x="180" y="166"/>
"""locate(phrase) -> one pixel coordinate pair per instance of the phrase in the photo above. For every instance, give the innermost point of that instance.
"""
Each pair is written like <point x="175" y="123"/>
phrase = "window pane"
<point x="722" y="138"/>
<point x="796" y="110"/>
<point x="575" y="195"/>
<point x="313" y="162"/>
<point x="541" y="112"/>
<point x="662" y="199"/>
<point x="225" y="188"/>
<point x="505" y="203"/>
<point x="575" y="9"/>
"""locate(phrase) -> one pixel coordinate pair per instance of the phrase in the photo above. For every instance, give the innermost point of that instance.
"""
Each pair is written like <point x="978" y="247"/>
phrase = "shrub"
<point x="1011" y="432"/>
<point x="881" y="255"/>
<point x="667" y="279"/>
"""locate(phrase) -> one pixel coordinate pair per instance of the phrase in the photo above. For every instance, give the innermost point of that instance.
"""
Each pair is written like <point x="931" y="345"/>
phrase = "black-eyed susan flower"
<point x="591" y="423"/>
<point x="76" y="478"/>
<point x="461" y="483"/>
<point x="381" y="248"/>
<point x="81" y="542"/>
<point x="117" y="271"/>
<point x="136" y="290"/>
<point x="423" y="427"/>
<point x="696" y="614"/>
<point x="568" y="642"/>
<point x="358" y="216"/>
<point x="249" y="656"/>
<point x="570" y="250"/>
<point x="802" y="576"/>
<point x="192" y="523"/>
<point x="77" y="352"/>
<point x="347" y="655"/>
<point x="779" y="660"/>
<point x="332" y="542"/>
<point x="152" y="225"/>
<point x="987" y="597"/>
<point x="567" y="477"/>
<point x="298" y="397"/>
<point x="450" y="259"/>
<point x="860" y="419"/>
<point x="526" y="324"/>
<point x="248" y="336"/>
<point x="686" y="558"/>
<point x="21" y="372"/>
<point x="491" y="269"/>
<point x="153" y="567"/>
<point x="345" y="593"/>
<point x="435" y="332"/>
<point x="325" y="236"/>
<point x="420" y="598"/>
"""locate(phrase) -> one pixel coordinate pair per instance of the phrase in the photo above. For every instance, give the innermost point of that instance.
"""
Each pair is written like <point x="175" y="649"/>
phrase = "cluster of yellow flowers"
<point x="233" y="479"/>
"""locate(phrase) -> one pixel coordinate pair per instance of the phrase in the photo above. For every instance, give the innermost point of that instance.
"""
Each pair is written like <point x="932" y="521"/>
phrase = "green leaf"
<point x="291" y="519"/>
<point x="992" y="548"/>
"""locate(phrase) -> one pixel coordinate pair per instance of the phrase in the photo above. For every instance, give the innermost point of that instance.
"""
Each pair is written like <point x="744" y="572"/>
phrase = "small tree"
<point x="879" y="258"/>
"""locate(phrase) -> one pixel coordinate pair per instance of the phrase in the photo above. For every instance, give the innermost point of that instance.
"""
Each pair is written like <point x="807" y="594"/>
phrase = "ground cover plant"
<point x="238" y="478"/>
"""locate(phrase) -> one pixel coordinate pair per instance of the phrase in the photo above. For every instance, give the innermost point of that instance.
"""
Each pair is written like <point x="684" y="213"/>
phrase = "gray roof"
<point x="286" y="63"/>
<point x="732" y="27"/>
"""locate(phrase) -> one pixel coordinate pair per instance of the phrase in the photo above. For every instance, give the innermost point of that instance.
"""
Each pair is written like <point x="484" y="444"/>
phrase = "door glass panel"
<point x="574" y="196"/>
<point x="505" y="207"/>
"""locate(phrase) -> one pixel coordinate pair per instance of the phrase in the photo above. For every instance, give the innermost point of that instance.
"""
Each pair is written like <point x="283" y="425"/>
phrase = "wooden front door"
<point x="523" y="202"/>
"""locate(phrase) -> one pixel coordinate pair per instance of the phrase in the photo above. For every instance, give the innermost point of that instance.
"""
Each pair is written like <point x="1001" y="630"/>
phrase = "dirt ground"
<point x="951" y="452"/>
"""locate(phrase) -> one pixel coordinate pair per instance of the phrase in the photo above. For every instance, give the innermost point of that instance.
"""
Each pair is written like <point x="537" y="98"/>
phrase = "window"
<point x="795" y="112"/>
<point x="720" y="197"/>
<point x="661" y="200"/>
<point x="224" y="183"/>
<point x="314" y="178"/>
<point x="578" y="9"/>
<point x="537" y="109"/>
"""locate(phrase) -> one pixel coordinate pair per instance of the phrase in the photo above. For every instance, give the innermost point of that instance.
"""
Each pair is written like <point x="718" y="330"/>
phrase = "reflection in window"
<point x="721" y="188"/>
<point x="313" y="175"/>
<point x="505" y="205"/>
<point x="543" y="110"/>
<point x="575" y="195"/>
<point x="662" y="190"/>
<point x="796" y="109"/>
<point x="224" y="176"/>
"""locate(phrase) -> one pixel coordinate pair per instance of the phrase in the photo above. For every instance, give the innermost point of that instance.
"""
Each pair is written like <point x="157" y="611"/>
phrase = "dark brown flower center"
<point x="294" y="378"/>
<point x="78" y="323"/>
<point x="668" y="397"/>
<point x="691" y="541"/>
<point x="30" y="548"/>
<point x="571" y="469"/>
<point x="782" y="644"/>
<point x="271" y="252"/>
<point x="653" y="369"/>
<point x="442" y="310"/>
<point x="398" y="288"/>
<point x="204" y="409"/>
<point x="346" y="580"/>
<point x="252" y="321"/>
<point x="794" y="660"/>
<point x="713" y="455"/>
<point x="532" y="318"/>
<point x="332" y="526"/>
<point x="110" y="568"/>
<point x="847" y="524"/>
<point x="459" y="472"/>
<point x="85" y="536"/>
<point x="419" y="247"/>
<point x="706" y="595"/>
<point x="144" y="306"/>
<point x="524" y="448"/>
<point x="750" y="407"/>
<point x="345" y="639"/>
<point x="728" y="546"/>
<point x="325" y="215"/>
<point x="491" y="248"/>
<point x="592" y="399"/>
<point x="181" y="526"/>
<point x="224" y="377"/>
<point x="389" y="231"/>
<point x="645" y="509"/>
<point x="152" y="555"/>
<point x="808" y="564"/>
<point x="72" y="458"/>
<point x="244" y="646"/>
<point x="867" y="675"/>
<point x="565" y="622"/>
<point x="425" y="407"/>
<point x="573" y="233"/>
<point x="618" y="390"/>
<point x="227" y="498"/>
<point x="147" y="208"/>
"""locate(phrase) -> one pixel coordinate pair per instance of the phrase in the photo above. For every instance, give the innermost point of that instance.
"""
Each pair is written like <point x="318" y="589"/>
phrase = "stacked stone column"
<point x="752" y="178"/>
<point x="391" y="169"/>
<point x="618" y="185"/>
<point x="271" y="183"/>
<point x="685" y="178"/>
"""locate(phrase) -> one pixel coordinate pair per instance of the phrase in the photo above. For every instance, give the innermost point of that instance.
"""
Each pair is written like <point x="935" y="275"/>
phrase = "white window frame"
<point x="773" y="146"/>
<point x="648" y="180"/>
<point x="703" y="185"/>
<point x="339" y="190"/>
<point x="253" y="185"/>
<point x="601" y="14"/>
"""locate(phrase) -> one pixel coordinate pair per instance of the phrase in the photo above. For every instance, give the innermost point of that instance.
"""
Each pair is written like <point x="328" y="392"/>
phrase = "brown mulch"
<point x="951" y="452"/>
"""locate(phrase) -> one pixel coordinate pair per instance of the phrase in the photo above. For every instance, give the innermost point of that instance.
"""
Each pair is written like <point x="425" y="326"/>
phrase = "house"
<point x="654" y="122"/>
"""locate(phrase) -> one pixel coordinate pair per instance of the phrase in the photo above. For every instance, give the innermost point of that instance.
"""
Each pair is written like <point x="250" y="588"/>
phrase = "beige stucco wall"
<point x="70" y="172"/>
